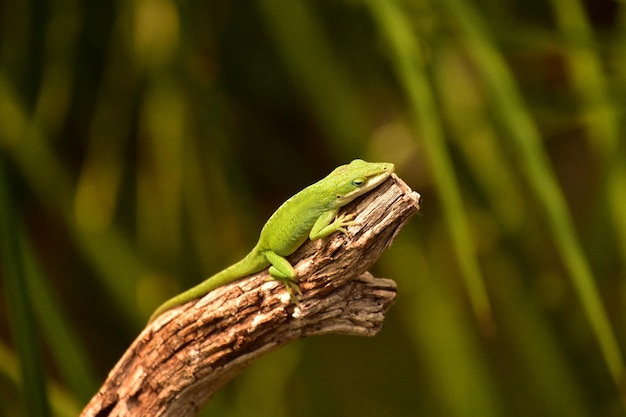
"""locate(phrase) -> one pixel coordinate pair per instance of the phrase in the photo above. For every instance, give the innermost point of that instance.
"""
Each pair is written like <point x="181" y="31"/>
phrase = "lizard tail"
<point x="253" y="262"/>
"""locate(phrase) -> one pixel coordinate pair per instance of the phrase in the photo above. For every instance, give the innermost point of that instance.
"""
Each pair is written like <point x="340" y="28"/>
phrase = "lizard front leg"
<point x="329" y="223"/>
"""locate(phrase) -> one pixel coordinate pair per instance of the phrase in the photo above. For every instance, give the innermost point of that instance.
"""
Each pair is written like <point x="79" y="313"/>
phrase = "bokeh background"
<point x="144" y="143"/>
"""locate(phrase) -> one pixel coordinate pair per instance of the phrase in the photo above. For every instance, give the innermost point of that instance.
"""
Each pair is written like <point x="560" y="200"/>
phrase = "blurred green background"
<point x="144" y="143"/>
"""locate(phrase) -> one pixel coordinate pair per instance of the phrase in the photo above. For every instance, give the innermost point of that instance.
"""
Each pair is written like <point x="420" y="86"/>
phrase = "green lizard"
<point x="312" y="213"/>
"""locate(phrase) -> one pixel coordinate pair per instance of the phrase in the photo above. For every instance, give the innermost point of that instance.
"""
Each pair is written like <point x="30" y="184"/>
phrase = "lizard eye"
<point x="358" y="182"/>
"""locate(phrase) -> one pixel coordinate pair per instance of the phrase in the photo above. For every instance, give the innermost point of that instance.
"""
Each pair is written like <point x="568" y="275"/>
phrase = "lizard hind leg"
<point x="282" y="270"/>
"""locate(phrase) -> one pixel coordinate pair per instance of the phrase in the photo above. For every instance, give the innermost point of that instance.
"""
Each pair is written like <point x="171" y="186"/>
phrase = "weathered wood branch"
<point x="182" y="358"/>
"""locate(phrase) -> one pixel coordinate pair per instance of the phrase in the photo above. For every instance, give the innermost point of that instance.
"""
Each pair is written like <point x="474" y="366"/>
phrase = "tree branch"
<point x="182" y="358"/>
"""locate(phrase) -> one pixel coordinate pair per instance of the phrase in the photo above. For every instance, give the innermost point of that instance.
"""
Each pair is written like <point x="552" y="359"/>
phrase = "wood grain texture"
<point x="182" y="358"/>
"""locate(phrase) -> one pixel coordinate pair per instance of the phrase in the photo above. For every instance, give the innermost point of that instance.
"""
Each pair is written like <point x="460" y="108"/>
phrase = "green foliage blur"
<point x="144" y="143"/>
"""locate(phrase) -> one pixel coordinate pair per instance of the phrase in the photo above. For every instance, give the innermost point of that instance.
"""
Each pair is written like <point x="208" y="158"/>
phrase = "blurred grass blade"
<point x="64" y="345"/>
<point x="599" y="114"/>
<point x="309" y="57"/>
<point x="28" y="146"/>
<point x="409" y="66"/>
<point x="526" y="140"/>
<point x="18" y="302"/>
<point x="62" y="403"/>
<point x="445" y="338"/>
<point x="589" y="80"/>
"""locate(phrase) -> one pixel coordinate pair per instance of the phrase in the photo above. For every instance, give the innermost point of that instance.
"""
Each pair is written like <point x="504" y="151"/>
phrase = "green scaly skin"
<point x="312" y="213"/>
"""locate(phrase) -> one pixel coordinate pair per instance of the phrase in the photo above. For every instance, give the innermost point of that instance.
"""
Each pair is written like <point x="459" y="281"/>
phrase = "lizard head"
<point x="357" y="178"/>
